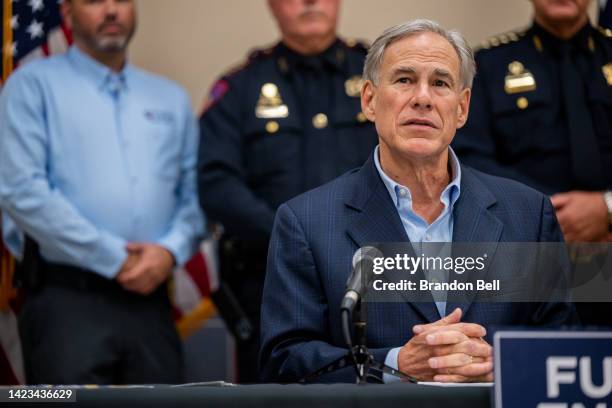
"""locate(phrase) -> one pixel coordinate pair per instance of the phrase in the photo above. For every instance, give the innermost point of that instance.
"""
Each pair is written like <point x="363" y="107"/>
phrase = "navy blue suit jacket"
<point x="315" y="236"/>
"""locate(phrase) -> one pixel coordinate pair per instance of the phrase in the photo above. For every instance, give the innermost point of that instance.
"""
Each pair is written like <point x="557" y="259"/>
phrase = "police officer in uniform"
<point x="286" y="121"/>
<point x="541" y="113"/>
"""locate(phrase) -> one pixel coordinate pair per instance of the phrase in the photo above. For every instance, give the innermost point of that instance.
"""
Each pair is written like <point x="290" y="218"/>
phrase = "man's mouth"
<point x="420" y="123"/>
<point x="312" y="13"/>
<point x="111" y="29"/>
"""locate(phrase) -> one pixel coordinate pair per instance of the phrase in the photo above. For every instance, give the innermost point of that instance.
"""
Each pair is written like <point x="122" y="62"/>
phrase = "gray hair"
<point x="409" y="28"/>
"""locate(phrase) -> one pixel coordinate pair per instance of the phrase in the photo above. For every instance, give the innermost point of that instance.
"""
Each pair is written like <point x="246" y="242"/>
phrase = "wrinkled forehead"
<point x="421" y="52"/>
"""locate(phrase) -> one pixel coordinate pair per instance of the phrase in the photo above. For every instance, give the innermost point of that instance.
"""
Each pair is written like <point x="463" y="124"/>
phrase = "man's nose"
<point x="422" y="97"/>
<point x="111" y="8"/>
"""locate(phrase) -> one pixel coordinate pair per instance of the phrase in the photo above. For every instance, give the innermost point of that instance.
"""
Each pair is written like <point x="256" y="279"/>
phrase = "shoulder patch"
<point x="218" y="90"/>
<point x="501" y="39"/>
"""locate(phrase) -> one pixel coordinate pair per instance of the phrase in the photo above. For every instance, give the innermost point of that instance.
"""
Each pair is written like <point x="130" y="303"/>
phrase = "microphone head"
<point x="366" y="253"/>
<point x="356" y="284"/>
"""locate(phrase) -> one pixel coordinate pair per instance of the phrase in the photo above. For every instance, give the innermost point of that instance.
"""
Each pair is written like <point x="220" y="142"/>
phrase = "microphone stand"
<point x="362" y="357"/>
<point x="358" y="355"/>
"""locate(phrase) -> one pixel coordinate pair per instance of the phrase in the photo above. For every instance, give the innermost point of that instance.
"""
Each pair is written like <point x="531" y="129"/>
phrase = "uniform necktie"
<point x="587" y="168"/>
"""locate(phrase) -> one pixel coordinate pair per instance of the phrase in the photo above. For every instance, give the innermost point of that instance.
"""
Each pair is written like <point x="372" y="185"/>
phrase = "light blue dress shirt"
<point x="91" y="159"/>
<point x="417" y="229"/>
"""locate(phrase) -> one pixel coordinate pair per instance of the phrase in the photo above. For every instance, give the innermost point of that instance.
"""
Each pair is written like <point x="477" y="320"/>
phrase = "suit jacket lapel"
<point x="376" y="220"/>
<point x="473" y="222"/>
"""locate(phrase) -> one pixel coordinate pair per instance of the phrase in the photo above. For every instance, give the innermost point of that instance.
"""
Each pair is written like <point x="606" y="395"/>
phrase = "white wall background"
<point x="194" y="41"/>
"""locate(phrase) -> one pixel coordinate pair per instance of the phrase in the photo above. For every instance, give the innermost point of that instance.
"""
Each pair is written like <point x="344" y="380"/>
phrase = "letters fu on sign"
<point x="561" y="369"/>
<point x="569" y="370"/>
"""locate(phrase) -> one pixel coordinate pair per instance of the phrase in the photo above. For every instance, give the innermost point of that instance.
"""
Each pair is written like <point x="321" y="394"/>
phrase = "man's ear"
<point x="368" y="100"/>
<point x="464" y="107"/>
<point x="66" y="11"/>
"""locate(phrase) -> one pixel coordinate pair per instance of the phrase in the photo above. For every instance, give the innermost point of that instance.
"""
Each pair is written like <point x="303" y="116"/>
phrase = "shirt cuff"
<point x="391" y="361"/>
<point x="177" y="246"/>
<point x="109" y="257"/>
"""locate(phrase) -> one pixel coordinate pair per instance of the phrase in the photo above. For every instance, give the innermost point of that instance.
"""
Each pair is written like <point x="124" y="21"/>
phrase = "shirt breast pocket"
<point x="271" y="147"/>
<point x="600" y="101"/>
<point x="356" y="137"/>
<point x="599" y="94"/>
<point x="164" y="143"/>
<point x="525" y="122"/>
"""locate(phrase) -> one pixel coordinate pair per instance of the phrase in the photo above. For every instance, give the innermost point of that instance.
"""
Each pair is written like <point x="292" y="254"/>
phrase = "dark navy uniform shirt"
<point x="517" y="124"/>
<point x="278" y="126"/>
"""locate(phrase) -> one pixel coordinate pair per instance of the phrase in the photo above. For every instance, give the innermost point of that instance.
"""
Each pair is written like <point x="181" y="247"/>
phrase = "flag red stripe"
<point x="198" y="271"/>
<point x="67" y="33"/>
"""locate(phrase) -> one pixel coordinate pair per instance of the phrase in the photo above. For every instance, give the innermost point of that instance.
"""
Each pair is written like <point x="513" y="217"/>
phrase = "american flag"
<point x="30" y="29"/>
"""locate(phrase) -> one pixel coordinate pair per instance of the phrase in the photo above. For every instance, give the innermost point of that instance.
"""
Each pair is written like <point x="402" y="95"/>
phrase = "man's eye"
<point x="439" y="82"/>
<point x="403" y="80"/>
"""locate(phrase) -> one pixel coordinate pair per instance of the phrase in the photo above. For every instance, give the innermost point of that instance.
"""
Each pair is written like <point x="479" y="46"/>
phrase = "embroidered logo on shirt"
<point x="159" y="116"/>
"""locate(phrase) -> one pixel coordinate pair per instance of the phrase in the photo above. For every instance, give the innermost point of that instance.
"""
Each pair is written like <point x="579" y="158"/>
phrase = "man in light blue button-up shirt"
<point x="97" y="166"/>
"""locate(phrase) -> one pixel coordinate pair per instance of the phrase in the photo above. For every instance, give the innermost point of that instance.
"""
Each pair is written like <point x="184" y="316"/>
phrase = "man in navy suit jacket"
<point x="417" y="88"/>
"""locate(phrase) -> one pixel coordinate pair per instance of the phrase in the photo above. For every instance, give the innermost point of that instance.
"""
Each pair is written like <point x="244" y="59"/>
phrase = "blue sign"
<point x="553" y="369"/>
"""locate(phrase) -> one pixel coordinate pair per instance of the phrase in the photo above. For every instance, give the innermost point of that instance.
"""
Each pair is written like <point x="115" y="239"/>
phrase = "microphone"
<point x="357" y="285"/>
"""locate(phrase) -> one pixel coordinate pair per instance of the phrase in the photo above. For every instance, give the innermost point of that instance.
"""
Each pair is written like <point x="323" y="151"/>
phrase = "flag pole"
<point x="7" y="36"/>
<point x="7" y="263"/>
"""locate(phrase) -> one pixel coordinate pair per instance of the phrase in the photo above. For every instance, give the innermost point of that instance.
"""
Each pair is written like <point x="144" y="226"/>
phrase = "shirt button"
<point x="403" y="192"/>
<point x="428" y="237"/>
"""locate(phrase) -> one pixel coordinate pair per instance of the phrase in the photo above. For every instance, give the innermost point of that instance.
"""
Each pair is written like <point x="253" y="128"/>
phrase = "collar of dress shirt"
<point x="98" y="73"/>
<point x="449" y="195"/>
